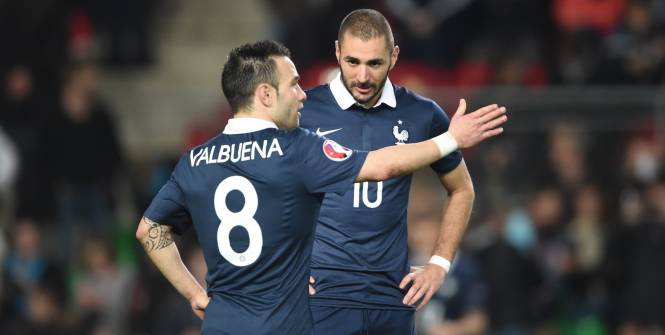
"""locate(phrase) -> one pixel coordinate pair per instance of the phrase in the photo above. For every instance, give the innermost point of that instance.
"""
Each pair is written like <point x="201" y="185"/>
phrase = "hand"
<point x="312" y="291"/>
<point x="471" y="129"/>
<point x="199" y="303"/>
<point x="426" y="280"/>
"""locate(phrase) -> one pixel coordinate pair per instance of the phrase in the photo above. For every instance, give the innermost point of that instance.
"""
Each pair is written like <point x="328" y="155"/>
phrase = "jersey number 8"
<point x="243" y="218"/>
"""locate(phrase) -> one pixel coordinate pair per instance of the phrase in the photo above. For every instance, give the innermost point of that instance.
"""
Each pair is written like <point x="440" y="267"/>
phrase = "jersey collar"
<point x="243" y="125"/>
<point x="345" y="100"/>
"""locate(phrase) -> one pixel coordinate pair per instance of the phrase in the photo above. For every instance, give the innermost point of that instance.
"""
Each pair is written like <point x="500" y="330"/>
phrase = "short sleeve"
<point x="439" y="125"/>
<point x="168" y="207"/>
<point x="325" y="165"/>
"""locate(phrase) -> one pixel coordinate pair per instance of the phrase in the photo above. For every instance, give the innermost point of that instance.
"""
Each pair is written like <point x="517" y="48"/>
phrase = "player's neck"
<point x="252" y="114"/>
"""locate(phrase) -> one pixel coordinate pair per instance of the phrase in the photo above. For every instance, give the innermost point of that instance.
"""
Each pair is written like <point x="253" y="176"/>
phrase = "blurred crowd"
<point x="496" y="42"/>
<point x="568" y="228"/>
<point x="566" y="235"/>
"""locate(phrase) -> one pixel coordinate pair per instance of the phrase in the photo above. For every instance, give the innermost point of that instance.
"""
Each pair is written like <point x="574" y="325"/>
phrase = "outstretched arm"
<point x="157" y="241"/>
<point x="466" y="130"/>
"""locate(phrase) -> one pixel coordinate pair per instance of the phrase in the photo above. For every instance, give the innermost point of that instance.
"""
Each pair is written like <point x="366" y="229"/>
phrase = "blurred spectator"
<point x="27" y="267"/>
<point x="635" y="51"/>
<point x="585" y="299"/>
<point x="553" y="249"/>
<point x="101" y="290"/>
<point x="514" y="281"/>
<point x="577" y="57"/>
<point x="644" y="160"/>
<point x="587" y="230"/>
<point x="568" y="156"/>
<point x="44" y="314"/>
<point x="86" y="155"/>
<point x="642" y="299"/>
<point x="568" y="167"/>
<point x="22" y="116"/>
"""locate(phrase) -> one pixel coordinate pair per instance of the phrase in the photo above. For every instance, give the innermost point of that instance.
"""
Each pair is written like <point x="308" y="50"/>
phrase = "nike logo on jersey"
<point x="324" y="133"/>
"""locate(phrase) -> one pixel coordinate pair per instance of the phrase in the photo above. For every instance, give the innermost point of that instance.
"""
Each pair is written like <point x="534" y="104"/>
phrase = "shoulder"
<point x="190" y="157"/>
<point x="318" y="95"/>
<point x="298" y="134"/>
<point x="318" y="90"/>
<point x="409" y="99"/>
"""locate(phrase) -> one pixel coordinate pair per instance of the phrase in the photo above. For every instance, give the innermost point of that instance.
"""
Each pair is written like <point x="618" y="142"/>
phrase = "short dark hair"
<point x="366" y="24"/>
<point x="248" y="66"/>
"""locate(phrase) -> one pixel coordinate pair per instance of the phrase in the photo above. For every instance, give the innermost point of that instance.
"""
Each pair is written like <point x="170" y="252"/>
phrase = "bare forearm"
<point x="398" y="160"/>
<point x="158" y="243"/>
<point x="456" y="214"/>
<point x="455" y="219"/>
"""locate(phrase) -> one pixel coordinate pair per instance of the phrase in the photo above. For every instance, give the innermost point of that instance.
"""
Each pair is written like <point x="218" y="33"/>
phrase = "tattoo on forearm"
<point x="159" y="237"/>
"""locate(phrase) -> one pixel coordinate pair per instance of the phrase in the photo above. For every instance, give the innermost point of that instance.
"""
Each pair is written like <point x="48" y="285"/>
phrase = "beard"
<point x="378" y="88"/>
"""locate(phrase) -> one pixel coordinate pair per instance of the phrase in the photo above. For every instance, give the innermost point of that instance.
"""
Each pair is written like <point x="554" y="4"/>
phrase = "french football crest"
<point x="400" y="135"/>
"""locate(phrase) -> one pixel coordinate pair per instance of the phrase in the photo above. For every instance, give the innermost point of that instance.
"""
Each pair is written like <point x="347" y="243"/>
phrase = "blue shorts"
<point x="359" y="321"/>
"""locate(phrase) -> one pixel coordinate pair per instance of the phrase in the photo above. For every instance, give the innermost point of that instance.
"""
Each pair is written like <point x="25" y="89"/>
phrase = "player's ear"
<point x="393" y="56"/>
<point x="265" y="94"/>
<point x="337" y="51"/>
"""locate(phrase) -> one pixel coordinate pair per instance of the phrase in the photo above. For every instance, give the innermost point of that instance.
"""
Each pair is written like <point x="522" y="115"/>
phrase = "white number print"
<point x="365" y="186"/>
<point x="244" y="218"/>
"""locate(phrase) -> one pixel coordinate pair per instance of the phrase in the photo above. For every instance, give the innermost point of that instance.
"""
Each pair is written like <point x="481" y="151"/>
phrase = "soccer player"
<point x="253" y="192"/>
<point x="360" y="268"/>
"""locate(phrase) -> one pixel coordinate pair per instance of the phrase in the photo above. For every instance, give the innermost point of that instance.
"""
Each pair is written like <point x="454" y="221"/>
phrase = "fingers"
<point x="494" y="123"/>
<point x="312" y="291"/>
<point x="425" y="300"/>
<point x="491" y="114"/>
<point x="483" y="111"/>
<point x="414" y="294"/>
<point x="492" y="133"/>
<point x="406" y="280"/>
<point x="199" y="309"/>
<point x="424" y="284"/>
<point x="410" y="294"/>
<point x="461" y="109"/>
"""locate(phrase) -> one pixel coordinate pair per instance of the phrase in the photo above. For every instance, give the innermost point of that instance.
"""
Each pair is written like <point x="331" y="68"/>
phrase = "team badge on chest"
<point x="400" y="135"/>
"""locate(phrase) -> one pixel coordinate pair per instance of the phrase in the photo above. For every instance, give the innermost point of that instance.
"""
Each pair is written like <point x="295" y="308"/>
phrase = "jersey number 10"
<point x="243" y="218"/>
<point x="365" y="186"/>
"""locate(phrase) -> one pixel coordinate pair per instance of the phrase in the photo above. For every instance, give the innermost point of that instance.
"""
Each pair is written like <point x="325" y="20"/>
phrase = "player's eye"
<point x="353" y="61"/>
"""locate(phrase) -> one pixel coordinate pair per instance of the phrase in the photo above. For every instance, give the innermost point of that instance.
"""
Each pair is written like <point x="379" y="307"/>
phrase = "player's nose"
<point x="363" y="74"/>
<point x="302" y="95"/>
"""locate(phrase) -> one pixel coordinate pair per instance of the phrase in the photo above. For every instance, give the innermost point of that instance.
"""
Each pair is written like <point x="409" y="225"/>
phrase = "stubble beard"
<point x="378" y="89"/>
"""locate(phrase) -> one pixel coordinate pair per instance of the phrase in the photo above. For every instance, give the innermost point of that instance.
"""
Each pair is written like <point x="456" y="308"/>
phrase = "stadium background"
<point x="98" y="98"/>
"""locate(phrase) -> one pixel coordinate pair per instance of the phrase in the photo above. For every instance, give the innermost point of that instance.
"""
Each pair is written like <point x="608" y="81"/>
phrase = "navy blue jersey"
<point x="253" y="199"/>
<point x="360" y="248"/>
